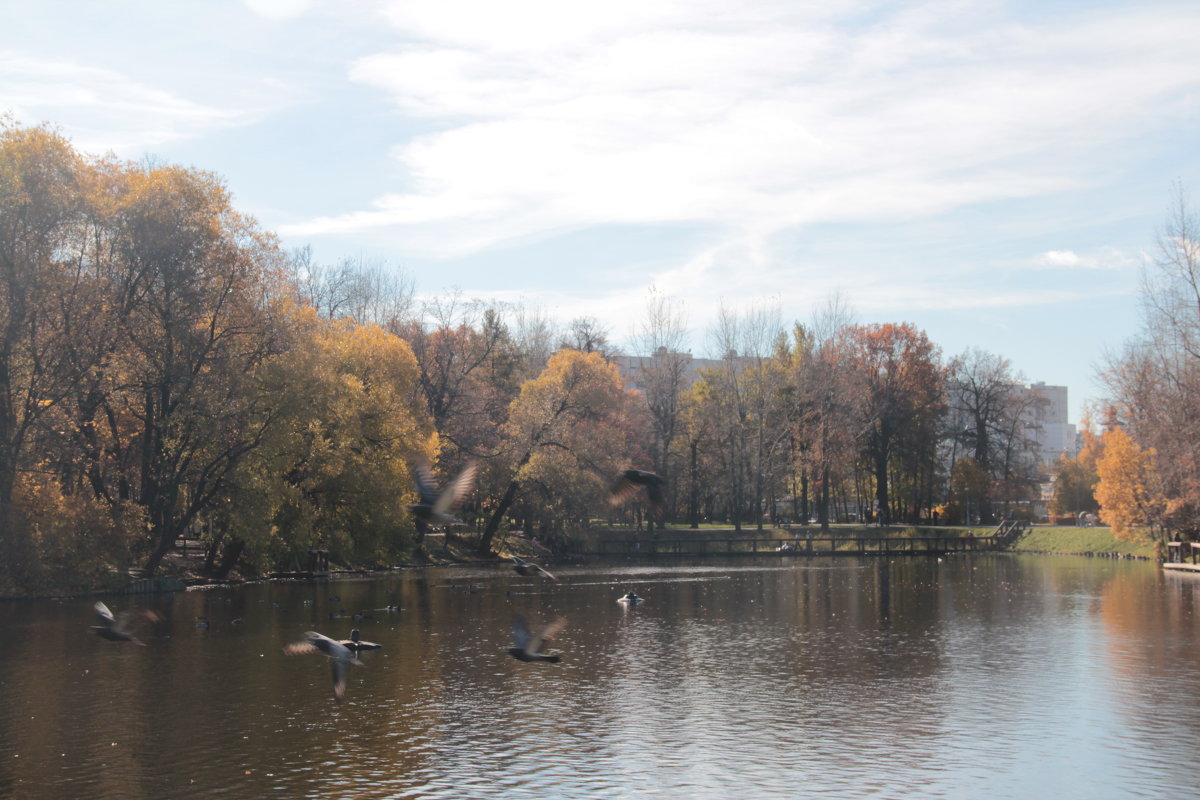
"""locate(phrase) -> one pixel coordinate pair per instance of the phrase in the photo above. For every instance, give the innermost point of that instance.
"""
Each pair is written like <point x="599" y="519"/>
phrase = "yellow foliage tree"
<point x="576" y="404"/>
<point x="333" y="469"/>
<point x="1130" y="490"/>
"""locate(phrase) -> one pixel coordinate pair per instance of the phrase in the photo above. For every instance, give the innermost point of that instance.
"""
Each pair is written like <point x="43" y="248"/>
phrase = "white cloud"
<point x="1060" y="258"/>
<point x="279" y="9"/>
<point x="100" y="108"/>
<point x="1104" y="259"/>
<point x="757" y="119"/>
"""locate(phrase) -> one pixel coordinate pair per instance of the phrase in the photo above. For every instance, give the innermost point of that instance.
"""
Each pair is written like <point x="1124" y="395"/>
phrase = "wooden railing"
<point x="1181" y="552"/>
<point x="804" y="546"/>
<point x="1010" y="529"/>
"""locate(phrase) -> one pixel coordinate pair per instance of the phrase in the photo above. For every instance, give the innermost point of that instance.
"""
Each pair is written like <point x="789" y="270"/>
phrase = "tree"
<point x="41" y="215"/>
<point x="825" y="414"/>
<point x="968" y="490"/>
<point x="562" y="409"/>
<point x="587" y="335"/>
<point x="1130" y="490"/>
<point x="1074" y="487"/>
<point x="1155" y="383"/>
<point x="980" y="386"/>
<point x="199" y="290"/>
<point x="345" y="424"/>
<point x="663" y="375"/>
<point x="353" y="289"/>
<point x="903" y="404"/>
<point x="468" y="373"/>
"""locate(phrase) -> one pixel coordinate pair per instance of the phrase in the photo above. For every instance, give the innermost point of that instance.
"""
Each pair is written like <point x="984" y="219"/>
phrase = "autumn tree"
<point x="39" y="206"/>
<point x="199" y="287"/>
<point x="969" y="484"/>
<point x="723" y="388"/>
<point x="52" y="326"/>
<point x="903" y="404"/>
<point x="824" y="414"/>
<point x="565" y="416"/>
<point x="1155" y="382"/>
<point x="698" y="475"/>
<point x="344" y="424"/>
<point x="468" y="371"/>
<point x="1074" y="487"/>
<point x="1130" y="490"/>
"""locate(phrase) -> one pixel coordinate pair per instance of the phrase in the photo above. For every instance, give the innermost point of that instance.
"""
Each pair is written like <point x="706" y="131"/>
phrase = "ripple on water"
<point x="985" y="678"/>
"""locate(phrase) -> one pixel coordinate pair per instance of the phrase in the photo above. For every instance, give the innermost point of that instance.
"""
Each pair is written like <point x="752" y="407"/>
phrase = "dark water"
<point x="983" y="677"/>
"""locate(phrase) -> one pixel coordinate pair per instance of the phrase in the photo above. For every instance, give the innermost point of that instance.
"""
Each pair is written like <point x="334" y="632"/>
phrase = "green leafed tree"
<point x="969" y="484"/>
<point x="1074" y="487"/>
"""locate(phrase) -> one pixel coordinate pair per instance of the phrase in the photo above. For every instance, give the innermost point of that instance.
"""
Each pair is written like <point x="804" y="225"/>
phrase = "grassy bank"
<point x="1072" y="540"/>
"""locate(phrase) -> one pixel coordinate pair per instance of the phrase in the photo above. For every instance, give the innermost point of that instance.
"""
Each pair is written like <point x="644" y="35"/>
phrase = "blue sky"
<point x="996" y="173"/>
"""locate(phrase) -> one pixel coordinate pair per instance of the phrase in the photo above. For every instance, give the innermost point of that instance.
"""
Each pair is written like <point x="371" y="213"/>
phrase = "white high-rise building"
<point x="1047" y="424"/>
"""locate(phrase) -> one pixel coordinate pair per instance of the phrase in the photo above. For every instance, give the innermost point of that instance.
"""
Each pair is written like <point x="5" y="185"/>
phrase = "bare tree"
<point x="1156" y="380"/>
<point x="744" y="384"/>
<point x="535" y="334"/>
<point x="587" y="335"/>
<point x="663" y="371"/>
<point x="367" y="292"/>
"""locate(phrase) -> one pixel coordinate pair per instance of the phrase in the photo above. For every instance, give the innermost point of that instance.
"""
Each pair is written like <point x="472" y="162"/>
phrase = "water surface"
<point x="983" y="676"/>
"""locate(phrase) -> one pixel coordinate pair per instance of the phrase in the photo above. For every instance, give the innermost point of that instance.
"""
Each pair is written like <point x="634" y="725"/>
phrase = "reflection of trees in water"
<point x="1152" y="643"/>
<point x="790" y="668"/>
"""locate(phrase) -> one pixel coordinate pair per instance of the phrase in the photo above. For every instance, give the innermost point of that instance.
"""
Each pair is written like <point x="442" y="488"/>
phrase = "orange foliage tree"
<point x="903" y="403"/>
<point x="1130" y="489"/>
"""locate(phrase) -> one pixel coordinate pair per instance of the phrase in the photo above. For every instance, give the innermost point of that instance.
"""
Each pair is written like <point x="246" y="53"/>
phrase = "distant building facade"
<point x="1047" y="424"/>
<point x="633" y="368"/>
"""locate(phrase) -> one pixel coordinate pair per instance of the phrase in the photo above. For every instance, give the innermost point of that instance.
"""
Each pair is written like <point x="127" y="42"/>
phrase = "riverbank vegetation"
<point x="168" y="372"/>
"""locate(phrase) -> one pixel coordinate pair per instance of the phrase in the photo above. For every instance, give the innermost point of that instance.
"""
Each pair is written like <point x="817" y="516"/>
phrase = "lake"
<point x="981" y="676"/>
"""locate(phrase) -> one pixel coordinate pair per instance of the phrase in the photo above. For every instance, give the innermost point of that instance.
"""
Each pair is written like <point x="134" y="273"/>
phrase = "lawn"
<point x="1069" y="539"/>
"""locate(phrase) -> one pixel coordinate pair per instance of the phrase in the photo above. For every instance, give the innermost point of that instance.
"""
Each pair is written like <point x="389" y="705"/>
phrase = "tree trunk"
<point x="693" y="499"/>
<point x="881" y="482"/>
<point x="165" y="535"/>
<point x="489" y="533"/>
<point x="229" y="558"/>
<point x="823" y="501"/>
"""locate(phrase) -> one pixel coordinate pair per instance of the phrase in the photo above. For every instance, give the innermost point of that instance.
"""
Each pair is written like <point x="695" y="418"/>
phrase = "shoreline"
<point x="1044" y="540"/>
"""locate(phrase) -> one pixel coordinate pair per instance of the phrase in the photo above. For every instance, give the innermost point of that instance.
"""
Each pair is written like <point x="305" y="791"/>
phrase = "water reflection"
<point x="974" y="676"/>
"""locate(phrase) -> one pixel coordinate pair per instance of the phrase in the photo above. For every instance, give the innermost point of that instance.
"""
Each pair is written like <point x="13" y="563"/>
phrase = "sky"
<point x="996" y="173"/>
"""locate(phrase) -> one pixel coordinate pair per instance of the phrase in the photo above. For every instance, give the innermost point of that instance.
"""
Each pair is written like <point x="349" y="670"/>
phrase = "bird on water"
<point x="527" y="647"/>
<point x="340" y="658"/>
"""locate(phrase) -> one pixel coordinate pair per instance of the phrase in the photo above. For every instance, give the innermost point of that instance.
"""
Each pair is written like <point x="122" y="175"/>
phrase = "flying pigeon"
<point x="529" y="648"/>
<point x="340" y="657"/>
<point x="434" y="506"/>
